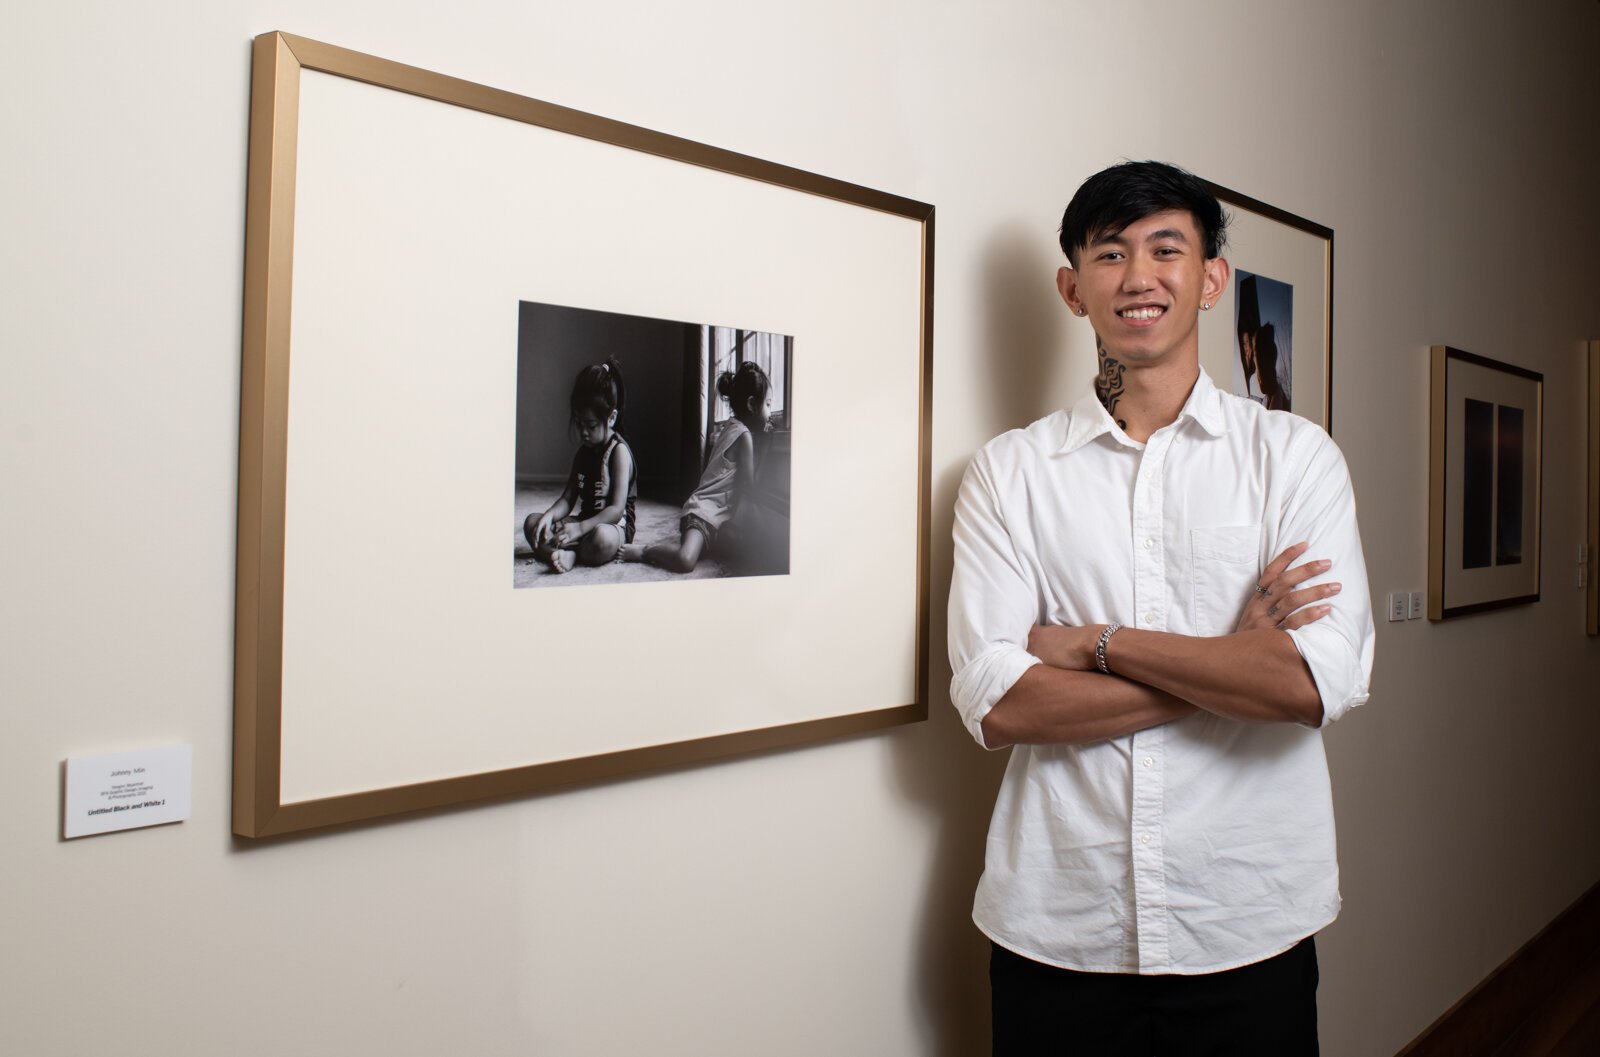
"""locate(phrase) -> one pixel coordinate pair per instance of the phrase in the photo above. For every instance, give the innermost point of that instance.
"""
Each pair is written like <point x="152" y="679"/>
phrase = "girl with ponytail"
<point x="594" y="517"/>
<point x="728" y="474"/>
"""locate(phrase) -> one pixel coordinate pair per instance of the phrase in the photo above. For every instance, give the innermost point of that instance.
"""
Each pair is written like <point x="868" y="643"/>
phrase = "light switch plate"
<point x="1399" y="604"/>
<point x="1419" y="606"/>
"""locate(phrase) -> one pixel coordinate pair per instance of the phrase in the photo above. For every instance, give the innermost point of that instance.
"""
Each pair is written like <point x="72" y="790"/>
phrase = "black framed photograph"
<point x="1485" y="464"/>
<point x="1270" y="338"/>
<point x="513" y="317"/>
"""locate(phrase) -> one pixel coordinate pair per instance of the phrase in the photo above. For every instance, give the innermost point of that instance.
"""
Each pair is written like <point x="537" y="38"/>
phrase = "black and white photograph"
<point x="1263" y="367"/>
<point x="648" y="449"/>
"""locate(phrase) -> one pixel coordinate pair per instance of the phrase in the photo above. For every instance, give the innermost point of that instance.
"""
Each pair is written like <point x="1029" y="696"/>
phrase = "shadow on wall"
<point x="1036" y="362"/>
<point x="938" y="766"/>
<point x="1035" y="368"/>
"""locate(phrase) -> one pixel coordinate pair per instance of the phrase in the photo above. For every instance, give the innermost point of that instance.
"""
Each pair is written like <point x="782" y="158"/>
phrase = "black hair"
<point x="1249" y="306"/>
<point x="598" y="390"/>
<point x="1267" y="359"/>
<point x="738" y="386"/>
<point x="1113" y="198"/>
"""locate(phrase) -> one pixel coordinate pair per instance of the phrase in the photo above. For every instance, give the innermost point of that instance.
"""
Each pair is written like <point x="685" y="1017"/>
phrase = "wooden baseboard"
<point x="1491" y="1012"/>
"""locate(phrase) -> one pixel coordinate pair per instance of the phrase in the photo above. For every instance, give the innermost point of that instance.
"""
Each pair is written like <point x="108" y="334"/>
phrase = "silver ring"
<point x="1263" y="592"/>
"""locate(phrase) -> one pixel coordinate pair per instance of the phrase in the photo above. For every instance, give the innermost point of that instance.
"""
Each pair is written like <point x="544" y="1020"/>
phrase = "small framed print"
<point x="1485" y="463"/>
<point x="1270" y="338"/>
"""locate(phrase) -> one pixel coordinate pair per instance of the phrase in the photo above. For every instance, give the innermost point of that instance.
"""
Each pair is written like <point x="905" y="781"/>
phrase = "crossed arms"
<point x="1254" y="674"/>
<point x="1292" y="656"/>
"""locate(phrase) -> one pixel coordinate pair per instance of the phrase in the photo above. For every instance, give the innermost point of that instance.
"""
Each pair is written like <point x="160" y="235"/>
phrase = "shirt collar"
<point x="1086" y="421"/>
<point x="1088" y="418"/>
<point x="1205" y="406"/>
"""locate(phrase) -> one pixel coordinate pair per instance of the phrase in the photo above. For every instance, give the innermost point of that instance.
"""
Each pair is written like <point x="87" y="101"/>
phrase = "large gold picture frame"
<point x="1486" y="459"/>
<point x="396" y="217"/>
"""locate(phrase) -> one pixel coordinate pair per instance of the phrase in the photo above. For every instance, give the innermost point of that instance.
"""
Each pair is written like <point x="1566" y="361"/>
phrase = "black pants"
<point x="1268" y="1009"/>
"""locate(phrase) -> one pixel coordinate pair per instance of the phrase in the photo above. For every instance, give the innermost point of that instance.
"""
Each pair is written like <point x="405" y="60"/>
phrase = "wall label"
<point x="127" y="790"/>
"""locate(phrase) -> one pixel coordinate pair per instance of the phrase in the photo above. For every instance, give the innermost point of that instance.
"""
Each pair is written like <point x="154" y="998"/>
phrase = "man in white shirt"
<point x="1128" y="614"/>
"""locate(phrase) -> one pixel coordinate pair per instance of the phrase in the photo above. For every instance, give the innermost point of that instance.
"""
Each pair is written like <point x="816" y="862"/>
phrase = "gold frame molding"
<point x="278" y="60"/>
<point x="1439" y="605"/>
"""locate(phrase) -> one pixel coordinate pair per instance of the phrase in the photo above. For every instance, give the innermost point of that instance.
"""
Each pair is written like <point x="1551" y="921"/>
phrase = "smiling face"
<point x="1142" y="288"/>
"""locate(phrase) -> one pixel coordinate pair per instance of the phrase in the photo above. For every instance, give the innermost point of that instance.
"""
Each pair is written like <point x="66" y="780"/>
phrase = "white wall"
<point x="811" y="901"/>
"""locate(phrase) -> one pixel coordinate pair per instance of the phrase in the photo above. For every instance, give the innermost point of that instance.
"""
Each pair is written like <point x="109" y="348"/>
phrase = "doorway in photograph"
<point x="648" y="449"/>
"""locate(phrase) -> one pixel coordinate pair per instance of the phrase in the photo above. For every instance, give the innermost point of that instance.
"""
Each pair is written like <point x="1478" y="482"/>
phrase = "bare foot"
<point x="631" y="552"/>
<point x="561" y="561"/>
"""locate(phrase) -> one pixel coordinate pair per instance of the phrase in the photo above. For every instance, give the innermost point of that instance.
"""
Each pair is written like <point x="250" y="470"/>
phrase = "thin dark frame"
<point x="1438" y="507"/>
<point x="258" y="811"/>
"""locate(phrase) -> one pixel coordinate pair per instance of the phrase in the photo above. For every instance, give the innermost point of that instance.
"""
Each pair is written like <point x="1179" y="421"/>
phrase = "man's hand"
<point x="1068" y="648"/>
<point x="1276" y="604"/>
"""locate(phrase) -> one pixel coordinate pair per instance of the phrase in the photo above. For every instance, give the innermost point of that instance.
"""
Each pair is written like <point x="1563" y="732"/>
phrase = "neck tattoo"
<point x="1108" y="384"/>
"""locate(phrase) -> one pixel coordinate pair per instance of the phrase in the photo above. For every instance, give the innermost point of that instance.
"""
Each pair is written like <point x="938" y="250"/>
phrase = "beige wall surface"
<point x="810" y="901"/>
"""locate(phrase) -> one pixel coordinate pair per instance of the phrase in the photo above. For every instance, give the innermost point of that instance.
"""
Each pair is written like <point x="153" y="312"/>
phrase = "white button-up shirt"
<point x="1206" y="843"/>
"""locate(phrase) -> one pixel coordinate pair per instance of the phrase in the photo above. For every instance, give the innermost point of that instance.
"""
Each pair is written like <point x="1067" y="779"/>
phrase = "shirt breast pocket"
<point x="1224" y="565"/>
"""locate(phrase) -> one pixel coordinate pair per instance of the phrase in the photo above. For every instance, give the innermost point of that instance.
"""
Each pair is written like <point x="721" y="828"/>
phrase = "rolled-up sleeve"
<point x="993" y="602"/>
<point x="1321" y="509"/>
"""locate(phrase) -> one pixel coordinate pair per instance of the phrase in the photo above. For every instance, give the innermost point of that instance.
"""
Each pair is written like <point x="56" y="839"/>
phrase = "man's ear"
<point x="1067" y="284"/>
<point x="1217" y="272"/>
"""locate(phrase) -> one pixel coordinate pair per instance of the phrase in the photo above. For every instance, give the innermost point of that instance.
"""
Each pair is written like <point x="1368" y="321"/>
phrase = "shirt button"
<point x="1149" y="761"/>
<point x="1149" y="543"/>
<point x="1150" y="618"/>
<point x="1145" y="839"/>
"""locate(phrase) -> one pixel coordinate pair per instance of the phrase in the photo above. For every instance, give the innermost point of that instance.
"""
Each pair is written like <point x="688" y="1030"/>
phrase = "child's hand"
<point x="541" y="529"/>
<point x="567" y="534"/>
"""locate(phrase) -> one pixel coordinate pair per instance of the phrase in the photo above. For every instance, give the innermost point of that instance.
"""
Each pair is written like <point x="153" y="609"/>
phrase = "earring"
<point x="1082" y="311"/>
<point x="1206" y="305"/>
